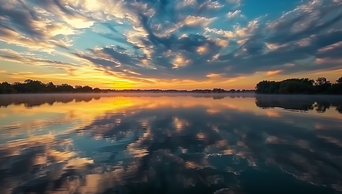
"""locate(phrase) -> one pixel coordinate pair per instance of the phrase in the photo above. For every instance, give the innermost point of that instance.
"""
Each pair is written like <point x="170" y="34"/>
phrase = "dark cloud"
<point x="97" y="61"/>
<point x="22" y="20"/>
<point x="154" y="35"/>
<point x="253" y="55"/>
<point x="121" y="57"/>
<point x="286" y="36"/>
<point x="56" y="5"/>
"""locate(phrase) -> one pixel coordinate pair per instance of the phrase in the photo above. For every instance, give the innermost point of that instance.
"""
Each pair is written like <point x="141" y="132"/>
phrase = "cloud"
<point x="306" y="20"/>
<point x="270" y="51"/>
<point x="11" y="36"/>
<point x="180" y="61"/>
<point x="233" y="14"/>
<point x="195" y="20"/>
<point x="27" y="58"/>
<point x="271" y="73"/>
<point x="214" y="75"/>
<point x="156" y="40"/>
<point x="37" y="26"/>
<point x="331" y="47"/>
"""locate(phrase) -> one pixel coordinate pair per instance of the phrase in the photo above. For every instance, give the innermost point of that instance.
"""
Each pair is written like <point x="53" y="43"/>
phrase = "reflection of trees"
<point x="284" y="102"/>
<point x="218" y="97"/>
<point x="321" y="106"/>
<point x="304" y="103"/>
<point x="38" y="100"/>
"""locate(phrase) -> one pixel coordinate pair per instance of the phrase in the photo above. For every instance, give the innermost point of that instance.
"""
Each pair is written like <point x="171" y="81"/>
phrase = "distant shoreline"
<point x="293" y="86"/>
<point x="151" y="92"/>
<point x="167" y="92"/>
<point x="35" y="86"/>
<point x="172" y="94"/>
<point x="141" y="92"/>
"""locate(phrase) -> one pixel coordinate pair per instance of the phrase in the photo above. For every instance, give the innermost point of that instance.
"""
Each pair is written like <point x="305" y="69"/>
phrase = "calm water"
<point x="61" y="144"/>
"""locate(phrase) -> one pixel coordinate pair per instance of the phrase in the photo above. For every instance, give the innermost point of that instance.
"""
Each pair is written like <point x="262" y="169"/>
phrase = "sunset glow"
<point x="169" y="44"/>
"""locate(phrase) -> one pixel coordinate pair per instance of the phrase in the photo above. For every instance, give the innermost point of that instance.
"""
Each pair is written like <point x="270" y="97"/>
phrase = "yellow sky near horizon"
<point x="87" y="76"/>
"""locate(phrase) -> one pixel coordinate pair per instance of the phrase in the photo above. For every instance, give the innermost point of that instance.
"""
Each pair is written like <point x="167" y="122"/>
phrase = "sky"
<point x="169" y="44"/>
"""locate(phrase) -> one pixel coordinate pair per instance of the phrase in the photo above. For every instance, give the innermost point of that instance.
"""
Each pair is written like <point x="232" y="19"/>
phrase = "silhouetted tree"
<point x="339" y="109"/>
<point x="322" y="85"/>
<point x="268" y="87"/>
<point x="83" y="89"/>
<point x="65" y="88"/>
<point x="6" y="88"/>
<point x="50" y="87"/>
<point x="87" y="89"/>
<point x="339" y="80"/>
<point x="320" y="81"/>
<point x="97" y="90"/>
<point x="299" y="86"/>
<point x="337" y="87"/>
<point x="78" y="88"/>
<point x="36" y="86"/>
<point x="218" y="90"/>
<point x="290" y="87"/>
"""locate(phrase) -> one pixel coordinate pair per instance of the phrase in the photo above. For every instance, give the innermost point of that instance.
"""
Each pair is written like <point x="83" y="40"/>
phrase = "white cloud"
<point x="234" y="14"/>
<point x="215" y="75"/>
<point x="238" y="32"/>
<point x="180" y="61"/>
<point x="195" y="20"/>
<point x="214" y="5"/>
<point x="224" y="33"/>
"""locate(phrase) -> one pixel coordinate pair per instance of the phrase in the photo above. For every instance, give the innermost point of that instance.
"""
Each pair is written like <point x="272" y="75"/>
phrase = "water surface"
<point x="170" y="143"/>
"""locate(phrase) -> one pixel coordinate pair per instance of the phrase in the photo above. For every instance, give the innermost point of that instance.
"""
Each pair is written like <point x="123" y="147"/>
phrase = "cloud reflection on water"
<point x="169" y="144"/>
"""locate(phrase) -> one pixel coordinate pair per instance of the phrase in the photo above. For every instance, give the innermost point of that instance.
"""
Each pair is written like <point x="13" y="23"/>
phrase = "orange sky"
<point x="86" y="76"/>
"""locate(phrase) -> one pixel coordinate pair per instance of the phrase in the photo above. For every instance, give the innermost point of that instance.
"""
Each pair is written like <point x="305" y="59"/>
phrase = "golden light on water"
<point x="130" y="132"/>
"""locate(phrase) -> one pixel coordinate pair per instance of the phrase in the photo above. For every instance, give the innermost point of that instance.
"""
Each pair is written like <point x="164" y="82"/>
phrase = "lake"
<point x="170" y="143"/>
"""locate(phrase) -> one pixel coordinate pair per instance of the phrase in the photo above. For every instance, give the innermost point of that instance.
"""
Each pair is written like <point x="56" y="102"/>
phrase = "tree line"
<point x="35" y="86"/>
<point x="300" y="86"/>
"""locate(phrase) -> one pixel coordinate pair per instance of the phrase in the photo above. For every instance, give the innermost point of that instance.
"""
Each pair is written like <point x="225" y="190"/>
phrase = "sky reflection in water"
<point x="170" y="144"/>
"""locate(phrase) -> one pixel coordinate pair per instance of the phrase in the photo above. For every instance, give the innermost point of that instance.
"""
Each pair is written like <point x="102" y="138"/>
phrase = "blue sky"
<point x="169" y="44"/>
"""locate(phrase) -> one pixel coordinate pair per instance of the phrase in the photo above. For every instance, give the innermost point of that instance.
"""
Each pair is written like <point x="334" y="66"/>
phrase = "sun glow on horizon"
<point x="174" y="45"/>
